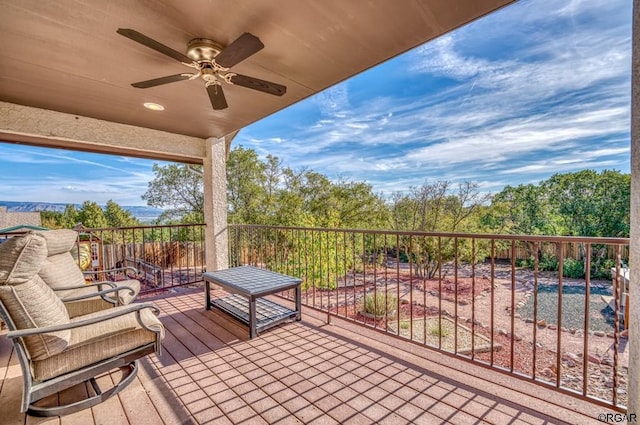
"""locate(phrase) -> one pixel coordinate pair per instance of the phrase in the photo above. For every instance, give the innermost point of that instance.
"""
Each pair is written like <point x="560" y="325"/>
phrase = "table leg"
<point x="298" y="303"/>
<point x="207" y="295"/>
<point x="252" y="318"/>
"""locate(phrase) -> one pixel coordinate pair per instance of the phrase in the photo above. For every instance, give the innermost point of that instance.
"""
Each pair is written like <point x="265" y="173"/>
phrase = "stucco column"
<point x="215" y="204"/>
<point x="634" y="260"/>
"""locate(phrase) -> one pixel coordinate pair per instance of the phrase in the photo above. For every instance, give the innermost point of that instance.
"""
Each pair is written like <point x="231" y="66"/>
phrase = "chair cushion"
<point x="28" y="300"/>
<point x="59" y="241"/>
<point x="21" y="258"/>
<point x="60" y="269"/>
<point x="93" y="343"/>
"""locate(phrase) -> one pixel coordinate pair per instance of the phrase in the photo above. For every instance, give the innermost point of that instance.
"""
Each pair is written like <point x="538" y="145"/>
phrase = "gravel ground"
<point x="601" y="317"/>
<point x="443" y="332"/>
<point x="488" y="303"/>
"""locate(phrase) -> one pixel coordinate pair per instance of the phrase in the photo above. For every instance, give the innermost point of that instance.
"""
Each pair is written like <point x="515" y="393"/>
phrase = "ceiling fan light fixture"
<point x="153" y="106"/>
<point x="208" y="74"/>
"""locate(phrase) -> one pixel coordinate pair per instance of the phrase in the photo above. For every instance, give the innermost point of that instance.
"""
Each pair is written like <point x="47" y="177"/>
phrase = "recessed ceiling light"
<point x="154" y="106"/>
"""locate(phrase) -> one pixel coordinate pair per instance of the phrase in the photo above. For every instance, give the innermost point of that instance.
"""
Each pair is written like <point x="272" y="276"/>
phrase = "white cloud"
<point x="334" y="101"/>
<point x="549" y="99"/>
<point x="539" y="87"/>
<point x="53" y="156"/>
<point x="35" y="174"/>
<point x="440" y="58"/>
<point x="552" y="167"/>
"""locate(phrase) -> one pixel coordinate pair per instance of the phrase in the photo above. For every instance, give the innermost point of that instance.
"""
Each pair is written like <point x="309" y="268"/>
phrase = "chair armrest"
<point x="99" y="294"/>
<point x="131" y="308"/>
<point x="119" y="269"/>
<point x="87" y="285"/>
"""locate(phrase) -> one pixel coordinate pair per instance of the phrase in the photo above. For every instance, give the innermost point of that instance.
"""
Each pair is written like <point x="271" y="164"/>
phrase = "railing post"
<point x="634" y="248"/>
<point x="215" y="204"/>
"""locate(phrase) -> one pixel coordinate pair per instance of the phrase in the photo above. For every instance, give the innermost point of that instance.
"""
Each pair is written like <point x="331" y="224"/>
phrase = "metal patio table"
<point x="247" y="286"/>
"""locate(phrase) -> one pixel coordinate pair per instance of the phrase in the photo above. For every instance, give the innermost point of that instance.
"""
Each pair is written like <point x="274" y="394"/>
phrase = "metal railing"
<point x="545" y="309"/>
<point x="164" y="256"/>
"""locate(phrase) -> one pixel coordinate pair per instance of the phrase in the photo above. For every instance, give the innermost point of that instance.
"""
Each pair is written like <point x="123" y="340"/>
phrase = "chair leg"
<point x="129" y="373"/>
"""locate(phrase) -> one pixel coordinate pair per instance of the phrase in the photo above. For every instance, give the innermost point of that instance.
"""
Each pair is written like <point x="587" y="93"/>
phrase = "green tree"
<point x="590" y="203"/>
<point x="91" y="215"/>
<point x="523" y="210"/>
<point x="246" y="181"/>
<point x="177" y="188"/>
<point x="309" y="198"/>
<point x="70" y="217"/>
<point x="614" y="189"/>
<point x="436" y="207"/>
<point x="291" y="210"/>
<point x="116" y="216"/>
<point x="357" y="206"/>
<point x="583" y="203"/>
<point x="265" y="192"/>
<point x="51" y="219"/>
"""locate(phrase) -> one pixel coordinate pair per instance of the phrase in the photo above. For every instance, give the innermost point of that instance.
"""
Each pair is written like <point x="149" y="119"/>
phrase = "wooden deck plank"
<point x="110" y="408"/>
<point x="162" y="396"/>
<point x="181" y="344"/>
<point x="138" y="406"/>
<point x="49" y="401"/>
<point x="11" y="391"/>
<point x="304" y="372"/>
<point x="83" y="417"/>
<point x="225" y="328"/>
<point x="6" y="347"/>
<point x="530" y="399"/>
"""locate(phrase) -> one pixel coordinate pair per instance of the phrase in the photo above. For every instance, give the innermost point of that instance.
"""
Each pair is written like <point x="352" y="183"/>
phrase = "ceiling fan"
<point x="211" y="62"/>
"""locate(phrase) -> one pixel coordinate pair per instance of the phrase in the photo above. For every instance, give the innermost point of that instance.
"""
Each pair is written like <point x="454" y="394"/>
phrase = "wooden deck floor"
<point x="301" y="372"/>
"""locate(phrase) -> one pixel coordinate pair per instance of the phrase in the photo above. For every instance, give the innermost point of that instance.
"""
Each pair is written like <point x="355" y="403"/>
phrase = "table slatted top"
<point x="252" y="280"/>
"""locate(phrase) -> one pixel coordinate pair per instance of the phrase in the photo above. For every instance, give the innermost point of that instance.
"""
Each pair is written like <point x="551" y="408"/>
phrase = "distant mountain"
<point x="142" y="213"/>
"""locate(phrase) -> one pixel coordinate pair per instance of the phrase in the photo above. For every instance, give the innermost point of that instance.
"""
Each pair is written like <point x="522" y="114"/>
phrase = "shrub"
<point x="602" y="270"/>
<point x="525" y="262"/>
<point x="437" y="330"/>
<point x="548" y="262"/>
<point x="573" y="268"/>
<point x="379" y="304"/>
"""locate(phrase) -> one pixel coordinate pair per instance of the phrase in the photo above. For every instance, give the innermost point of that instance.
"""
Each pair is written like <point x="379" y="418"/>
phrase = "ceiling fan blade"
<point x="161" y="80"/>
<point x="158" y="47"/>
<point x="216" y="96"/>
<point x="258" y="84"/>
<point x="243" y="47"/>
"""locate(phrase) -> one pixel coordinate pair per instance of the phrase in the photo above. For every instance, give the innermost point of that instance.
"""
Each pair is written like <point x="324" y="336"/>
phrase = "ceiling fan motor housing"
<point x="203" y="49"/>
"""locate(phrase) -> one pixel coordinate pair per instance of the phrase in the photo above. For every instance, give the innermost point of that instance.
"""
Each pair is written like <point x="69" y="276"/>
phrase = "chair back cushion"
<point x="28" y="301"/>
<point x="60" y="270"/>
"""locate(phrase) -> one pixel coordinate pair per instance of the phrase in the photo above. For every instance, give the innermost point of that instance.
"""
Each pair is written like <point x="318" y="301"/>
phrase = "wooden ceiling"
<point x="66" y="56"/>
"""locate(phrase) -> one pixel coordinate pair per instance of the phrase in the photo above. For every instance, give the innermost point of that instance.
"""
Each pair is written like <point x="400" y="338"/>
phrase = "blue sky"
<point x="537" y="88"/>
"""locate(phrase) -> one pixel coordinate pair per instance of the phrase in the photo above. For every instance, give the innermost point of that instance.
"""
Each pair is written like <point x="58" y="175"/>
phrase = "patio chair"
<point x="57" y="352"/>
<point x="63" y="275"/>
